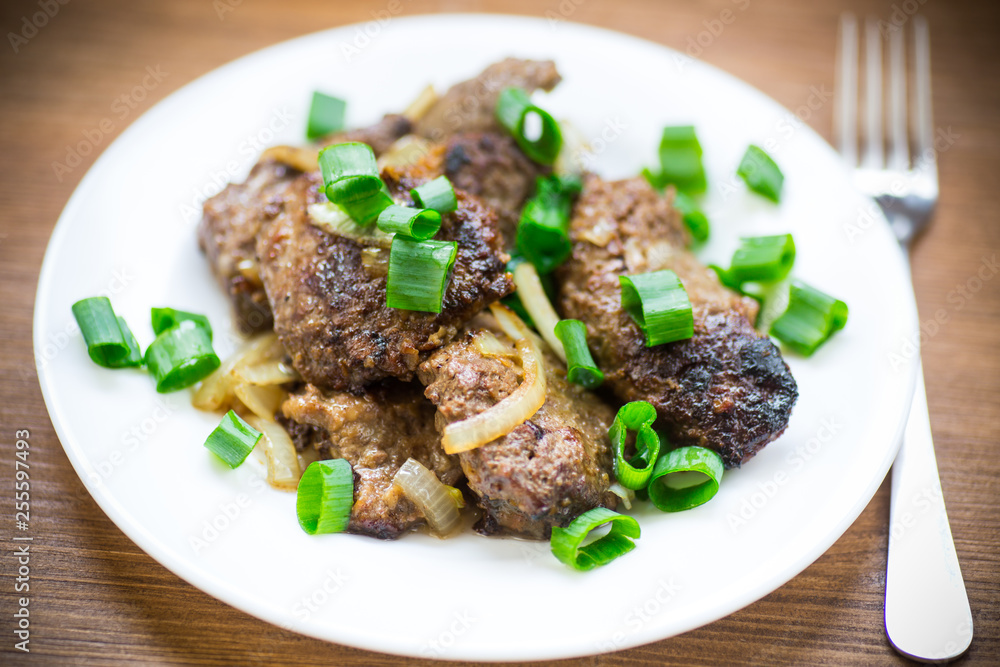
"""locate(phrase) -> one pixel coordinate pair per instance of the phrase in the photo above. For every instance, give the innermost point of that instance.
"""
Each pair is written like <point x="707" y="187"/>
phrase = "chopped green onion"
<point x="762" y="259"/>
<point x="726" y="278"/>
<point x="418" y="273"/>
<point x="693" y="217"/>
<point x="324" y="497"/>
<point x="542" y="231"/>
<point x="680" y="161"/>
<point x="567" y="543"/>
<point x="437" y="194"/>
<point x="326" y="115"/>
<point x="513" y="110"/>
<point x="811" y="318"/>
<point x="134" y="357"/>
<point x="181" y="356"/>
<point x="636" y="416"/>
<point x="233" y="440"/>
<point x="417" y="223"/>
<point x="164" y="318"/>
<point x="580" y="366"/>
<point x="106" y="344"/>
<point x="349" y="172"/>
<point x="685" y="478"/>
<point x="659" y="304"/>
<point x="366" y="211"/>
<point x="761" y="173"/>
<point x="513" y="301"/>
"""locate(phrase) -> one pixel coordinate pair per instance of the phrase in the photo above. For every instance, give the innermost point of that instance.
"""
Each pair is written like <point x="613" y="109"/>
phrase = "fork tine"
<point x="847" y="90"/>
<point x="899" y="155"/>
<point x="874" y="152"/>
<point x="924" y="129"/>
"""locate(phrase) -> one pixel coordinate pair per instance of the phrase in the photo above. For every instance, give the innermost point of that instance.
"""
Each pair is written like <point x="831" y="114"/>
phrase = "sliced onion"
<point x="420" y="106"/>
<point x="536" y="302"/>
<point x="216" y="391"/>
<point x="514" y="409"/>
<point x="283" y="471"/>
<point x="375" y="261"/>
<point x="575" y="151"/>
<point x="307" y="456"/>
<point x="404" y="152"/>
<point x="262" y="401"/>
<point x="489" y="345"/>
<point x="627" y="495"/>
<point x="267" y="373"/>
<point x="247" y="365"/>
<point x="303" y="159"/>
<point x="431" y="497"/>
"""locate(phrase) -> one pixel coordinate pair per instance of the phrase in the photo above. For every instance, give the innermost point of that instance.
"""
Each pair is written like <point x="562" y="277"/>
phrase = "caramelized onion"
<point x="574" y="153"/>
<point x="421" y="105"/>
<point x="433" y="498"/>
<point x="536" y="302"/>
<point x="262" y="401"/>
<point x="267" y="373"/>
<point x="404" y="152"/>
<point x="627" y="495"/>
<point x="302" y="159"/>
<point x="489" y="345"/>
<point x="283" y="470"/>
<point x="375" y="261"/>
<point x="257" y="362"/>
<point x="216" y="391"/>
<point x="514" y="409"/>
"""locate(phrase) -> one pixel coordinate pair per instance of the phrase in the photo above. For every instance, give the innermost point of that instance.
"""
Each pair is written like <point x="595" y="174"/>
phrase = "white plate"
<point x="129" y="231"/>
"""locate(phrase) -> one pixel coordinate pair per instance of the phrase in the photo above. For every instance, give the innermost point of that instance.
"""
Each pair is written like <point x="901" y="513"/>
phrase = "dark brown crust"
<point x="330" y="311"/>
<point x="375" y="431"/>
<point x="232" y="219"/>
<point x="470" y="106"/>
<point x="727" y="388"/>
<point x="228" y="236"/>
<point x="548" y="470"/>
<point x="492" y="166"/>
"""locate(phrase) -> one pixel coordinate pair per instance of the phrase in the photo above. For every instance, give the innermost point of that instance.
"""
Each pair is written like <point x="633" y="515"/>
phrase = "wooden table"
<point x="96" y="598"/>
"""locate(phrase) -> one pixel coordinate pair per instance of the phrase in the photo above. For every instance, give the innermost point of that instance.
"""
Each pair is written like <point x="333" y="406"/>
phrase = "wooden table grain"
<point x="96" y="598"/>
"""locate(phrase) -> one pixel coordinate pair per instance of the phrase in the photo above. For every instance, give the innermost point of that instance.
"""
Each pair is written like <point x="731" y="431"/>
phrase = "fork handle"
<point x="927" y="614"/>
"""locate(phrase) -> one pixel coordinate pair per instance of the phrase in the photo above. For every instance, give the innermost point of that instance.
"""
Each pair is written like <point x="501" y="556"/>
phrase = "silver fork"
<point x="927" y="614"/>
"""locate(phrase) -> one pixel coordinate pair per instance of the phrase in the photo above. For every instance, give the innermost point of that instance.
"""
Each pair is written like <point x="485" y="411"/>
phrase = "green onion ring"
<point x="181" y="356"/>
<point x="659" y="305"/>
<point x="513" y="107"/>
<point x="164" y="318"/>
<point x="419" y="224"/>
<point x="761" y="173"/>
<point x="675" y="498"/>
<point x="232" y="440"/>
<point x="418" y="273"/>
<point x="326" y="115"/>
<point x="437" y="194"/>
<point x="636" y="416"/>
<point x="324" y="497"/>
<point x="349" y="172"/>
<point x="567" y="543"/>
<point x="810" y="319"/>
<point x="580" y="366"/>
<point x="762" y="259"/>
